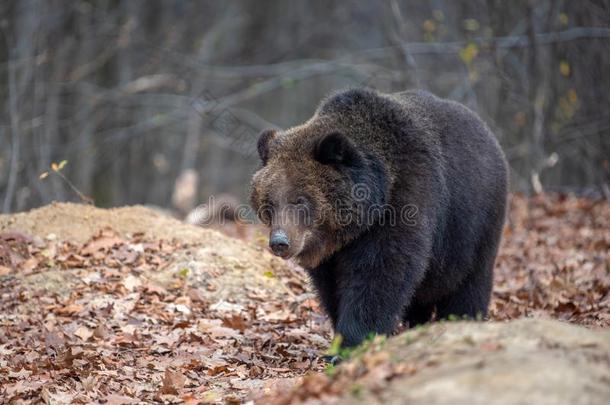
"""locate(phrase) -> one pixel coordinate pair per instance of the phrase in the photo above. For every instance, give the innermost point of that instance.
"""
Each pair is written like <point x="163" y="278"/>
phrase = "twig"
<point x="84" y="198"/>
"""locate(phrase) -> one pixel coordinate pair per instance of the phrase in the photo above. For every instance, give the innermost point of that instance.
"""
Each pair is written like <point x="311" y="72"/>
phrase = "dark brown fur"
<point x="361" y="150"/>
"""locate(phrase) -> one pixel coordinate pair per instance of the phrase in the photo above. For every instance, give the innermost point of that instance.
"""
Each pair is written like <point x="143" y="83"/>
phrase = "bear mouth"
<point x="285" y="255"/>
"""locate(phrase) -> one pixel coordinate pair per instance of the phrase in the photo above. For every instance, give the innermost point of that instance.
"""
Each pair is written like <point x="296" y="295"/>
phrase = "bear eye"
<point x="265" y="213"/>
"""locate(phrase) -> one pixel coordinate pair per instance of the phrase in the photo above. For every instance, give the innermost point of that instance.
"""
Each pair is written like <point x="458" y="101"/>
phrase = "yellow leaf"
<point x="564" y="68"/>
<point x="563" y="19"/>
<point x="54" y="166"/>
<point x="62" y="164"/>
<point x="43" y="175"/>
<point x="469" y="52"/>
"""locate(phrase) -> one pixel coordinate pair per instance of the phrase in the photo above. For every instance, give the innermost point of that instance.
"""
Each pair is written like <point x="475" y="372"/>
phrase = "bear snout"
<point x="279" y="243"/>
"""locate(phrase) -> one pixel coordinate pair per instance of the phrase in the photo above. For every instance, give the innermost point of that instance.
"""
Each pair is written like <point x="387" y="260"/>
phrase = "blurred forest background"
<point x="160" y="102"/>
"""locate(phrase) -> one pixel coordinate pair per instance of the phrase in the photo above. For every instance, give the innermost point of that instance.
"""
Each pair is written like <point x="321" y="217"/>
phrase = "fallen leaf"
<point x="173" y="381"/>
<point x="131" y="282"/>
<point x="84" y="333"/>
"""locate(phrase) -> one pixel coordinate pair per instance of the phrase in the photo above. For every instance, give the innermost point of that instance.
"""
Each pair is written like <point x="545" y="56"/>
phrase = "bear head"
<point x="318" y="187"/>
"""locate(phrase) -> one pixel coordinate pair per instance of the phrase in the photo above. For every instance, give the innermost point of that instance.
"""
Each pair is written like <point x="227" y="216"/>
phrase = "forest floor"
<point x="128" y="305"/>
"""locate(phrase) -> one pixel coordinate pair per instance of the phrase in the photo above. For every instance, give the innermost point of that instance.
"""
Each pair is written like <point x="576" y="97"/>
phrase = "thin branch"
<point x="84" y="198"/>
<point x="450" y="47"/>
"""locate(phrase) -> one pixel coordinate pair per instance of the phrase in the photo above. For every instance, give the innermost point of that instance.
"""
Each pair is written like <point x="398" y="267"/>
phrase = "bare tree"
<point x="135" y="94"/>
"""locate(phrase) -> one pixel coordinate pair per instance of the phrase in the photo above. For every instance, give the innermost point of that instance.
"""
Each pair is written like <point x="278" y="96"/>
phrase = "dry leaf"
<point x="83" y="332"/>
<point x="173" y="381"/>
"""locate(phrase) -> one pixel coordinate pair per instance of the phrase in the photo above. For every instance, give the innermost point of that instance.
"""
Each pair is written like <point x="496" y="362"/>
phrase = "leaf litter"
<point x="122" y="314"/>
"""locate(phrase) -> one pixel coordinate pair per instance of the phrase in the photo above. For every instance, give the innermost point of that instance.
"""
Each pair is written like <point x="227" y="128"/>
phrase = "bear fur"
<point x="393" y="203"/>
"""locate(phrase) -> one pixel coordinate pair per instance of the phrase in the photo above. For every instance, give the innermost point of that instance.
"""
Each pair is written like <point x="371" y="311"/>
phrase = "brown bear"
<point x="393" y="203"/>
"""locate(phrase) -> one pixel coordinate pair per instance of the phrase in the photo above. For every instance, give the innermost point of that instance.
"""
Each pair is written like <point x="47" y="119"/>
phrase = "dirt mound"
<point x="79" y="222"/>
<point x="207" y="259"/>
<point x="128" y="304"/>
<point x="522" y="361"/>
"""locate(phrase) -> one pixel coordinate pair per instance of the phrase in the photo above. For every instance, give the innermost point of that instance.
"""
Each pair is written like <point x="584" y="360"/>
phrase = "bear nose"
<point x="279" y="243"/>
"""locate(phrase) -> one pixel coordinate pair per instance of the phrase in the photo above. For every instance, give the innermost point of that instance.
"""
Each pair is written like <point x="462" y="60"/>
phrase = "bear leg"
<point x="371" y="300"/>
<point x="325" y="283"/>
<point x="471" y="299"/>
<point x="417" y="314"/>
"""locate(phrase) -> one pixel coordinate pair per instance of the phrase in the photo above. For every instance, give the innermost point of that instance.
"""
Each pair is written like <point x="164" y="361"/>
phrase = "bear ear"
<point x="264" y="139"/>
<point x="335" y="148"/>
